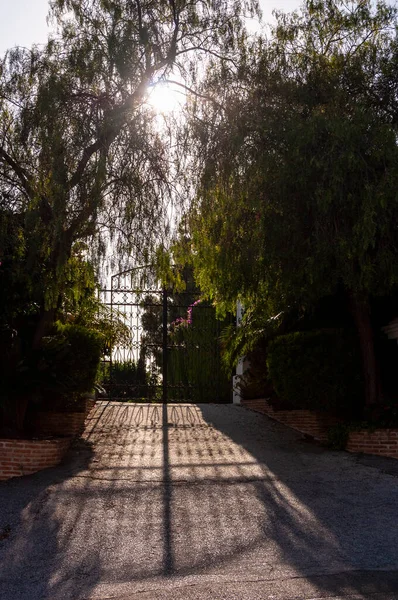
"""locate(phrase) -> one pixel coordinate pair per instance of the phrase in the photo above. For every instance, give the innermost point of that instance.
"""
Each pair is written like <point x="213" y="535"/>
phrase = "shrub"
<point x="383" y="415"/>
<point x="127" y="380"/>
<point x="69" y="360"/>
<point x="255" y="383"/>
<point x="194" y="362"/>
<point x="318" y="370"/>
<point x="52" y="377"/>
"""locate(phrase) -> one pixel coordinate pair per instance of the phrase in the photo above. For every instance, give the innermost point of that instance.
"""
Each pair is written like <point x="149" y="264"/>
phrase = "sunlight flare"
<point x="164" y="98"/>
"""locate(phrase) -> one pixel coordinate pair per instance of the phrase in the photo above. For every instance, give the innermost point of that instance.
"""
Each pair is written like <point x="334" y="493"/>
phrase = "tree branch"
<point x="194" y="92"/>
<point x="87" y="154"/>
<point x="116" y="120"/>
<point x="19" y="171"/>
<point x="207" y="51"/>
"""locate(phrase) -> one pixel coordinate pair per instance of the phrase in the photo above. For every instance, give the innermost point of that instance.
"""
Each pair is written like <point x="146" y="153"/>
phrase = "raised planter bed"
<point x="90" y="404"/>
<point x="59" y="423"/>
<point x="382" y="442"/>
<point x="24" y="457"/>
<point x="63" y="423"/>
<point x="309" y="422"/>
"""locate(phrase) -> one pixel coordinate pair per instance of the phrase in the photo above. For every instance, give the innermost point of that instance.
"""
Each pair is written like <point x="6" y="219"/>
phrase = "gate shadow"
<point x="332" y="518"/>
<point x="167" y="494"/>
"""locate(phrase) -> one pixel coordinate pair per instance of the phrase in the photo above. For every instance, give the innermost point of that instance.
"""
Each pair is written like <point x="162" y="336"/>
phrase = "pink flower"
<point x="188" y="321"/>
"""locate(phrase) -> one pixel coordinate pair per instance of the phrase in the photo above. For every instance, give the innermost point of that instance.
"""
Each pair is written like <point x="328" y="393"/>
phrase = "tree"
<point x="82" y="158"/>
<point x="298" y="176"/>
<point x="79" y="146"/>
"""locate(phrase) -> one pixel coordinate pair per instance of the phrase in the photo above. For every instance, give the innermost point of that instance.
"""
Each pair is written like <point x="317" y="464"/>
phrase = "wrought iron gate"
<point x="168" y="350"/>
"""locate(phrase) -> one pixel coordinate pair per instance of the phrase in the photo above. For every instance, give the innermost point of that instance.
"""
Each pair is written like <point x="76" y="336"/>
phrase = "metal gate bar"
<point x="178" y="355"/>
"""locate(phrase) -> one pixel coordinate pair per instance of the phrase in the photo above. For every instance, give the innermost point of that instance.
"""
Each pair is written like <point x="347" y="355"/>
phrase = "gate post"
<point x="164" y="346"/>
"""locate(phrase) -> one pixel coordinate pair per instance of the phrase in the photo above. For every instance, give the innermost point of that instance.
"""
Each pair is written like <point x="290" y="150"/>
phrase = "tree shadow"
<point x="163" y="495"/>
<point x="28" y="515"/>
<point x="331" y="515"/>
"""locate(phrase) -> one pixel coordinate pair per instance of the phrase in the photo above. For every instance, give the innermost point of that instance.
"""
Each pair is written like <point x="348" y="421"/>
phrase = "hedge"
<point x="70" y="360"/>
<point x="317" y="370"/>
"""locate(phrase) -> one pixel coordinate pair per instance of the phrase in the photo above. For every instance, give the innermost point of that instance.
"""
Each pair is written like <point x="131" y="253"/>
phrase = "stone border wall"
<point x="383" y="442"/>
<point x="23" y="457"/>
<point x="308" y="422"/>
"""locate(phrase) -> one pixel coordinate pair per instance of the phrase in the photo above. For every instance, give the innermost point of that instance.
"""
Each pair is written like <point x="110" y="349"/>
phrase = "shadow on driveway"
<point x="29" y="546"/>
<point x="173" y="501"/>
<point x="332" y="515"/>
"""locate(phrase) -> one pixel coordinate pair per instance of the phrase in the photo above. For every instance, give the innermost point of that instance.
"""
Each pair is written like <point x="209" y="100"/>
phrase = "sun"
<point x="165" y="99"/>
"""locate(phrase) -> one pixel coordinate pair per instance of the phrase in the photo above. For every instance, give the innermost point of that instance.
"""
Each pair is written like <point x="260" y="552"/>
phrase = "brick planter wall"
<point x="23" y="457"/>
<point x="383" y="442"/>
<point x="63" y="423"/>
<point x="308" y="422"/>
<point x="60" y="423"/>
<point x="90" y="404"/>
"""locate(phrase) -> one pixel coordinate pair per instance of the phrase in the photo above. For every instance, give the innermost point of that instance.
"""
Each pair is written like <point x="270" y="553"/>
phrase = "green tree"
<point x="80" y="147"/>
<point x="297" y="193"/>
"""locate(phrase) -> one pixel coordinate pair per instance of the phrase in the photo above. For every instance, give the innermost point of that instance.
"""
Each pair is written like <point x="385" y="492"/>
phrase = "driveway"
<point x="200" y="502"/>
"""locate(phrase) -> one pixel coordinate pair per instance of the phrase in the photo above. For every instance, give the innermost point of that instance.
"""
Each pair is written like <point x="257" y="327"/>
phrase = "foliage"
<point x="384" y="416"/>
<point x="152" y="333"/>
<point x="254" y="329"/>
<point x="296" y="193"/>
<point x="81" y="148"/>
<point x="381" y="417"/>
<point x="255" y="383"/>
<point x="318" y="370"/>
<point x="98" y="317"/>
<point x="173" y="273"/>
<point x="16" y="297"/>
<point x="82" y="156"/>
<point x="128" y="379"/>
<point x="74" y="353"/>
<point x="84" y="165"/>
<point x="68" y="361"/>
<point x="43" y="372"/>
<point x="193" y="354"/>
<point x="58" y="373"/>
<point x="194" y="357"/>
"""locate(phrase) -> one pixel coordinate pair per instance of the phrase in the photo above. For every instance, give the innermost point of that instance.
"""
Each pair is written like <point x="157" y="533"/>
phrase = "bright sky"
<point x="23" y="22"/>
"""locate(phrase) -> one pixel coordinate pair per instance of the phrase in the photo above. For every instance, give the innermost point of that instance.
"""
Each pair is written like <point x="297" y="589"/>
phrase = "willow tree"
<point x="80" y="148"/>
<point x="299" y="174"/>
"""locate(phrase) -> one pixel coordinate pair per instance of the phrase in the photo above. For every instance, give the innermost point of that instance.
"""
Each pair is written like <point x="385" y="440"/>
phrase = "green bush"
<point x="70" y="359"/>
<point x="127" y="380"/>
<point x="318" y="370"/>
<point x="194" y="368"/>
<point x="255" y="383"/>
<point x="53" y="377"/>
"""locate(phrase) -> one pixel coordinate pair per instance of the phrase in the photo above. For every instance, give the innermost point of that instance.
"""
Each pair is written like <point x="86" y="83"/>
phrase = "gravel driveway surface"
<point x="200" y="502"/>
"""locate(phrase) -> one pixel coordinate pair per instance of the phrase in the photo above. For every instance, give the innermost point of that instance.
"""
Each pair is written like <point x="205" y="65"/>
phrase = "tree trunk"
<point x="360" y="309"/>
<point x="46" y="320"/>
